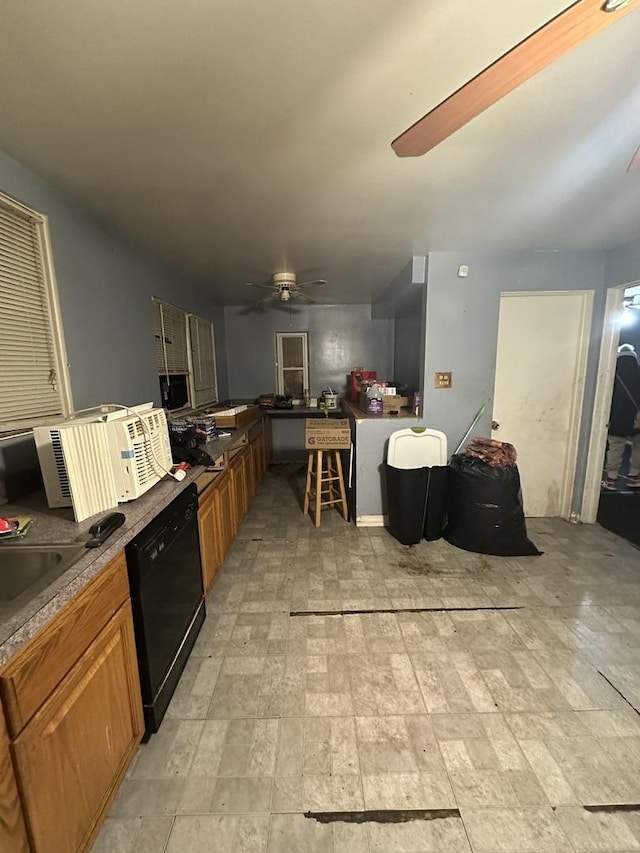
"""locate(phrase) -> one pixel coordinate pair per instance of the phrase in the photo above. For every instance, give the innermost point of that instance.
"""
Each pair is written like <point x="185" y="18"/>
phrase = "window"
<point x="170" y="332"/>
<point x="33" y="362"/>
<point x="185" y="357"/>
<point x="292" y="364"/>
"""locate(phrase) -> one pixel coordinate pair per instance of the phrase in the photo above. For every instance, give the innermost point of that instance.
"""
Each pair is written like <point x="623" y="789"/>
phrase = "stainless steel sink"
<point x="28" y="569"/>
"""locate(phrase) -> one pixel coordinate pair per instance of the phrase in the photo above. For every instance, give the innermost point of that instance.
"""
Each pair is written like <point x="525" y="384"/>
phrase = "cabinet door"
<point x="13" y="835"/>
<point x="207" y="531"/>
<point x="253" y="467"/>
<point x="268" y="440"/>
<point x="236" y="469"/>
<point x="225" y="512"/>
<point x="256" y="464"/>
<point x="210" y="556"/>
<point x="72" y="755"/>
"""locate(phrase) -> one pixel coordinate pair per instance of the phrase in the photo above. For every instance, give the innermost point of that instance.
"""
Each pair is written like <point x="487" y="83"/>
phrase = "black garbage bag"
<point x="484" y="509"/>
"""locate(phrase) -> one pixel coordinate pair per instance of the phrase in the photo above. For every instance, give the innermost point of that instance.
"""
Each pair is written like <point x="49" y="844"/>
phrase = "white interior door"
<point x="539" y="387"/>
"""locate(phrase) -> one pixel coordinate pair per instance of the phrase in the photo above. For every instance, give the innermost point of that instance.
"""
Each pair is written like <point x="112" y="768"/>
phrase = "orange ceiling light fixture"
<point x="557" y="37"/>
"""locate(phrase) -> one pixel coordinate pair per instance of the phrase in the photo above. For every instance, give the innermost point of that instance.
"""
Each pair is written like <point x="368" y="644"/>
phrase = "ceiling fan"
<point x="284" y="287"/>
<point x="577" y="23"/>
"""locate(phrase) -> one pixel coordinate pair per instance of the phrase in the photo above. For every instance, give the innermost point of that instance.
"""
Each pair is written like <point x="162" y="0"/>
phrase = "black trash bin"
<point x="416" y="501"/>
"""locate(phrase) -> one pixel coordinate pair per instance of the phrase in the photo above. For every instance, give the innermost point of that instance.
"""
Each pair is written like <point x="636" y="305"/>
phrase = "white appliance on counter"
<point x="104" y="458"/>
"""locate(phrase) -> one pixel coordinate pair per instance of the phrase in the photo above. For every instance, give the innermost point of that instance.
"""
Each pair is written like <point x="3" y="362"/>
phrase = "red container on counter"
<point x="355" y="380"/>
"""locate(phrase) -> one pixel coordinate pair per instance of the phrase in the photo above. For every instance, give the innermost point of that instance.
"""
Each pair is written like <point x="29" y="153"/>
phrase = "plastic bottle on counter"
<point x="375" y="405"/>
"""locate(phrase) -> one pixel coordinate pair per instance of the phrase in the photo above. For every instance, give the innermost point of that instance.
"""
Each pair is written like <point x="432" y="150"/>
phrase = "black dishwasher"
<point x="167" y="598"/>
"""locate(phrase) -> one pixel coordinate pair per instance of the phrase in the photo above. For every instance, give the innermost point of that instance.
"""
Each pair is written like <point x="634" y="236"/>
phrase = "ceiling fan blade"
<point x="582" y="20"/>
<point x="268" y="298"/>
<point x="313" y="281"/>
<point x="255" y="284"/>
<point x="298" y="294"/>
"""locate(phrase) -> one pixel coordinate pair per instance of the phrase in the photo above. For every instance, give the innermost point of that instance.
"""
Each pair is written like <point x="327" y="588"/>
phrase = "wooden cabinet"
<point x="217" y="525"/>
<point x="225" y="511"/>
<point x="267" y="440"/>
<point x="31" y="675"/>
<point x="13" y="835"/>
<point x="225" y="496"/>
<point x="237" y="469"/>
<point x="72" y="701"/>
<point x="211" y="555"/>
<point x="257" y="453"/>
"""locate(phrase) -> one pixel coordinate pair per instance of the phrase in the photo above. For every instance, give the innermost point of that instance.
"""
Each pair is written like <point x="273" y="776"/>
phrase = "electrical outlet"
<point x="443" y="379"/>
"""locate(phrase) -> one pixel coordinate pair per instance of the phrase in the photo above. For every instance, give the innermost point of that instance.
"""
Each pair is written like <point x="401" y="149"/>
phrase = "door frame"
<point x="577" y="401"/>
<point x="602" y="401"/>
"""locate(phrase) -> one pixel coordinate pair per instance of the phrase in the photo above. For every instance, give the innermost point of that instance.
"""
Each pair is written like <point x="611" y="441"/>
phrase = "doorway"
<point x="611" y="336"/>
<point x="619" y="502"/>
<point x="539" y="386"/>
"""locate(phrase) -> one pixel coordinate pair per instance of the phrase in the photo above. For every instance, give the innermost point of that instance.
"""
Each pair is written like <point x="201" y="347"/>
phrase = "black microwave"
<point x="174" y="390"/>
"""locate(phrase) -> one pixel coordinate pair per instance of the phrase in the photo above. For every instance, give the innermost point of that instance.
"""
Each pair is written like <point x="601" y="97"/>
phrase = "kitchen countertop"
<point x="359" y="415"/>
<point x="57" y="526"/>
<point x="303" y="412"/>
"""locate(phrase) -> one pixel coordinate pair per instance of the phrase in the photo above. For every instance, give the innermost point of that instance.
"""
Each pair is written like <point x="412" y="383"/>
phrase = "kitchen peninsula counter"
<point x="352" y="410"/>
<point x="304" y="412"/>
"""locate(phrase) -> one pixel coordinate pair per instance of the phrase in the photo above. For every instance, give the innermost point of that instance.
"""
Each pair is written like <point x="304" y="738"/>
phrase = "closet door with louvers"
<point x="32" y="372"/>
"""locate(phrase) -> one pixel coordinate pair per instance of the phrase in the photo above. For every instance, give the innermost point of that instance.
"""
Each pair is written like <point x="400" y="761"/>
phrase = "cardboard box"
<point x="390" y="402"/>
<point x="237" y="417"/>
<point x="327" y="434"/>
<point x="394" y="402"/>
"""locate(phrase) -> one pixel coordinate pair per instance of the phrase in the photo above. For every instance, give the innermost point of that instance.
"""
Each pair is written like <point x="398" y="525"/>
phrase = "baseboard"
<point x="371" y="521"/>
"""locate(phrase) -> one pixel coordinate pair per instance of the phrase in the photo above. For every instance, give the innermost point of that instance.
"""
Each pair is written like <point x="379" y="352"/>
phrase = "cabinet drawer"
<point x="31" y="676"/>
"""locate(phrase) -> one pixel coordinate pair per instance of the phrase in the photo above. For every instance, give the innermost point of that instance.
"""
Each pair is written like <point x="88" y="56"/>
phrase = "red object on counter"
<point x="355" y="382"/>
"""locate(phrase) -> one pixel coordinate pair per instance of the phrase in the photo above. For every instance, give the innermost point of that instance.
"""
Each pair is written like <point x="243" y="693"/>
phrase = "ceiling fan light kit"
<point x="579" y="22"/>
<point x="285" y="286"/>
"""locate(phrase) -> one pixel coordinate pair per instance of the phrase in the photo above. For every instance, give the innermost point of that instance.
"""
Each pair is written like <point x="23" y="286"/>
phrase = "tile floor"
<point x="513" y="719"/>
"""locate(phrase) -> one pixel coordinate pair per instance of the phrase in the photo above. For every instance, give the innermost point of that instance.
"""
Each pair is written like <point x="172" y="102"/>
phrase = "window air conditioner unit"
<point x="108" y="457"/>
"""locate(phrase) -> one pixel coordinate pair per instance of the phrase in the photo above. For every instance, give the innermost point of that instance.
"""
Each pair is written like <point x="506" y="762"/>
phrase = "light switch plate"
<point x="443" y="379"/>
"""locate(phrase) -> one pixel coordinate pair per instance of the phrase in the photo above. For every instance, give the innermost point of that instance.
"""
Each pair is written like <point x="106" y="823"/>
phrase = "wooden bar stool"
<point x="325" y="483"/>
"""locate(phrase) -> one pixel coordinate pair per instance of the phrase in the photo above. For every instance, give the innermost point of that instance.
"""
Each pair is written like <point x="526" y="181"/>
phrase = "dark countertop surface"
<point x="57" y="526"/>
<point x="352" y="410"/>
<point x="303" y="412"/>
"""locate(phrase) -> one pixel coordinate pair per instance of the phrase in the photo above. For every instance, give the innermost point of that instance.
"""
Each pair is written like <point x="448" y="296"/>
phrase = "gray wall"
<point x="408" y="354"/>
<point x="105" y="289"/>
<point x="623" y="264"/>
<point x="462" y="329"/>
<point x="341" y="337"/>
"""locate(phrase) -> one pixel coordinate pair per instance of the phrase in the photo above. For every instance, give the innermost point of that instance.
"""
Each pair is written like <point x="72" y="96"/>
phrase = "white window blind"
<point x="32" y="372"/>
<point x="170" y="332"/>
<point x="203" y="361"/>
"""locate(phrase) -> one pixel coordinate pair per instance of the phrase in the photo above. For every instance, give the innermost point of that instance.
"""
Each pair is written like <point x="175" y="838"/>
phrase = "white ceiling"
<point x="240" y="137"/>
